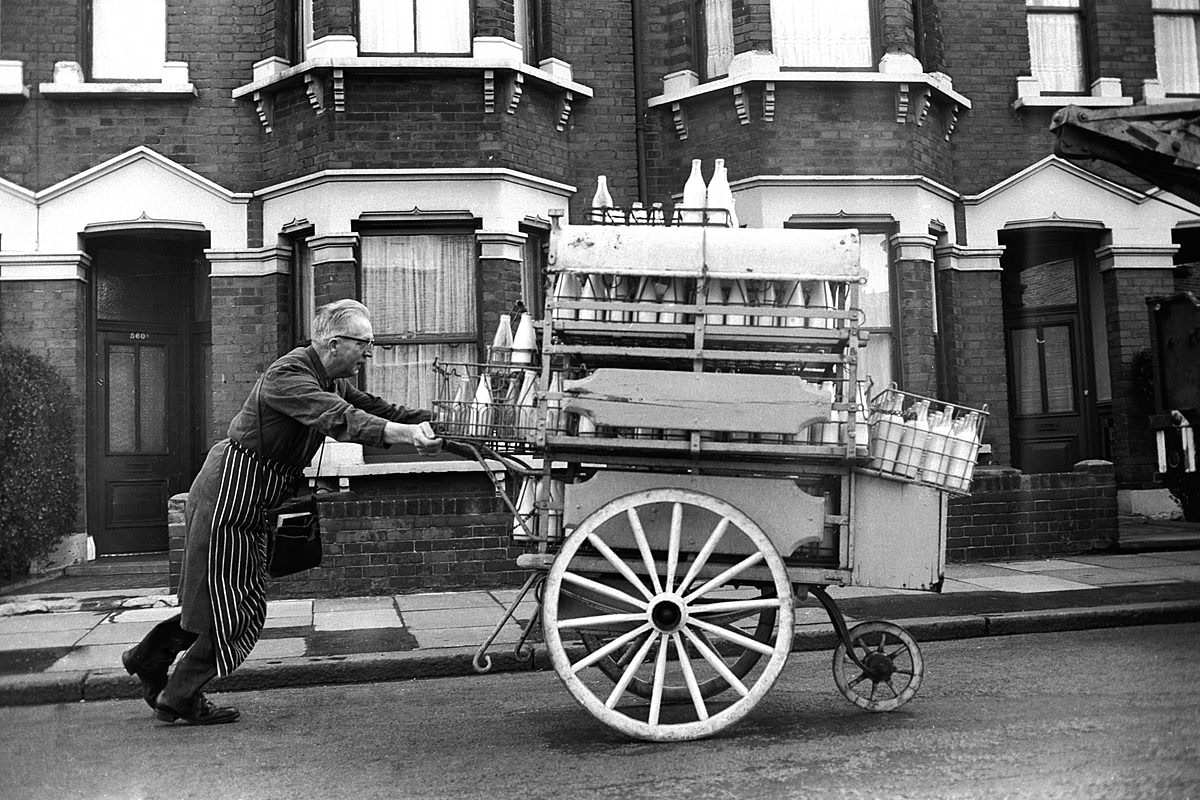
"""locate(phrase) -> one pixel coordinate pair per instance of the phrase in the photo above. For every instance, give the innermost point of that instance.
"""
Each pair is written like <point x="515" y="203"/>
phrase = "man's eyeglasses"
<point x="370" y="343"/>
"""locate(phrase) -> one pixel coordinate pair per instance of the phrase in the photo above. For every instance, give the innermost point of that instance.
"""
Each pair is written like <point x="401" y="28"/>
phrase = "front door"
<point x="139" y="455"/>
<point x="1050" y="379"/>
<point x="1049" y="427"/>
<point x="140" y="427"/>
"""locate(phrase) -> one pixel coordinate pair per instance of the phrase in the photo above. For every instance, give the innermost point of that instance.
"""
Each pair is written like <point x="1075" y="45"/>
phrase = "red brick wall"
<point x="914" y="327"/>
<point x="971" y="330"/>
<point x="250" y="329"/>
<point x="1010" y="515"/>
<point x="1125" y="293"/>
<point x="409" y="533"/>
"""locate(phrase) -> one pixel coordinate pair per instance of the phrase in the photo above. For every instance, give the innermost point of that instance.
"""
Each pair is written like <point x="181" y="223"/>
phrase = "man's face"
<point x="351" y="348"/>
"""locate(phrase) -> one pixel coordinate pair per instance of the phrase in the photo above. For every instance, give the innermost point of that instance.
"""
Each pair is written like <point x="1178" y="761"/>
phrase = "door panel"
<point x="1049" y="426"/>
<point x="139" y="443"/>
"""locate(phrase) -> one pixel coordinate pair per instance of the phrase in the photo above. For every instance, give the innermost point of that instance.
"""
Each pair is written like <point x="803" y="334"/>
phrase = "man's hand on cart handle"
<point x="420" y="436"/>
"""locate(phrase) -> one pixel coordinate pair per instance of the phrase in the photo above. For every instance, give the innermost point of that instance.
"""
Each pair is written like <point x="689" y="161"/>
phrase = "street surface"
<point x="1110" y="714"/>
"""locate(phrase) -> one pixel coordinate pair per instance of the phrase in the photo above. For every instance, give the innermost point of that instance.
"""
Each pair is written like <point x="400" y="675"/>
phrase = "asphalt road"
<point x="1111" y="713"/>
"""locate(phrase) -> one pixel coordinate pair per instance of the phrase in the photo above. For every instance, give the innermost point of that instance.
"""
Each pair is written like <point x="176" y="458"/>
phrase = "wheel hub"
<point x="668" y="613"/>
<point x="878" y="666"/>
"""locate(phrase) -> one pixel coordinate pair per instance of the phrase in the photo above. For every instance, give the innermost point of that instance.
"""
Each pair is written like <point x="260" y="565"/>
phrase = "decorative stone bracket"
<point x="325" y="77"/>
<point x="916" y="93"/>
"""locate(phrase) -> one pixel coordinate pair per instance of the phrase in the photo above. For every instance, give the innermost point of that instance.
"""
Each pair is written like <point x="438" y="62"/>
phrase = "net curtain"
<point x="418" y="286"/>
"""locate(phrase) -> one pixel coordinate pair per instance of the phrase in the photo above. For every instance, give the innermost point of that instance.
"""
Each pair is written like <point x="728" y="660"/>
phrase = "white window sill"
<point x="1060" y="101"/>
<point x="12" y="82"/>
<point x="13" y="91"/>
<point x="148" y="90"/>
<point x="934" y="82"/>
<point x="434" y="63"/>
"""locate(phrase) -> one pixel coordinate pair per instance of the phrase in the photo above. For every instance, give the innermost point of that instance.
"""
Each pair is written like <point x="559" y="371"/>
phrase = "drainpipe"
<point x="639" y="125"/>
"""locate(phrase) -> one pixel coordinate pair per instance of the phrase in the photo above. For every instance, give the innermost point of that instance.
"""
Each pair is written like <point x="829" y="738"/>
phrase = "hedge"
<point x="38" y="488"/>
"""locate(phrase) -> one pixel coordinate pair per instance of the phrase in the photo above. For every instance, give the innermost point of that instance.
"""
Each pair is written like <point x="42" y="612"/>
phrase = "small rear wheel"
<point x="888" y="670"/>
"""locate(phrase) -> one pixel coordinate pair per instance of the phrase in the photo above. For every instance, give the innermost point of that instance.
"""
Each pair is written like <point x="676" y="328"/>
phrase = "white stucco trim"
<point x="250" y="263"/>
<point x="44" y="266"/>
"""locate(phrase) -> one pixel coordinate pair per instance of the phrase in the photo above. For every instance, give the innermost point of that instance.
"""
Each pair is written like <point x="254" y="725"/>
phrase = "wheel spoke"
<point x="627" y="677"/>
<point x="596" y="655"/>
<point x="735" y="637"/>
<point x="689" y="677"/>
<point x="600" y="588"/>
<point x="599" y="620"/>
<point x="635" y="522"/>
<point x="660" y="676"/>
<point x="725" y="577"/>
<point x="714" y="539"/>
<point x="673" y="545"/>
<point x="731" y="606"/>
<point x="716" y="662"/>
<point x="620" y="565"/>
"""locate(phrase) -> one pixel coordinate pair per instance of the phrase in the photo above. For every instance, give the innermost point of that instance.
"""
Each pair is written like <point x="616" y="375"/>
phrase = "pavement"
<point x="61" y="639"/>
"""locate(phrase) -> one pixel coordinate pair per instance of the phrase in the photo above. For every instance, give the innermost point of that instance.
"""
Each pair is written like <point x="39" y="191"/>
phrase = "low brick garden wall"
<point x="434" y="532"/>
<point x="1010" y="515"/>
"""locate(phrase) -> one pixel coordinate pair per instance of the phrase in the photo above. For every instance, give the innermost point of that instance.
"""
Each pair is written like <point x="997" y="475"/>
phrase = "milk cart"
<point x="694" y="453"/>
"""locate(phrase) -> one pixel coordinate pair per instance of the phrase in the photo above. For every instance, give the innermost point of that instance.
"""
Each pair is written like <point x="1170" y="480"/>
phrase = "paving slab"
<point x="70" y="620"/>
<point x="1098" y="576"/>
<point x="1039" y="565"/>
<point x="34" y="640"/>
<point x="448" y="600"/>
<point x="453" y="618"/>
<point x="1029" y="583"/>
<point x="279" y="648"/>
<point x="350" y="620"/>
<point x="102" y="656"/>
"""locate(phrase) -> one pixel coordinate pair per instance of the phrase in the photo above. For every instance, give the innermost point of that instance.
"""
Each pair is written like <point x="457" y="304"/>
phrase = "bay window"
<point x="1176" y="52"/>
<point x="420" y="288"/>
<point x="389" y="27"/>
<point x="128" y="39"/>
<point x="1056" y="48"/>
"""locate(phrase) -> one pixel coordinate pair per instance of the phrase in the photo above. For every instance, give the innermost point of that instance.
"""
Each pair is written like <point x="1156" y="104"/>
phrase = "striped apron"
<point x="231" y="492"/>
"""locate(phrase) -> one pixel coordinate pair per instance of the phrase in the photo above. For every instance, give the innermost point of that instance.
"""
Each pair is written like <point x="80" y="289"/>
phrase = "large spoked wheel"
<point x="889" y="671"/>
<point x="651" y="581"/>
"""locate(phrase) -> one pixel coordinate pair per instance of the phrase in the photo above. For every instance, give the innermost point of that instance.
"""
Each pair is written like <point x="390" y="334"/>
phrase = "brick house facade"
<point x="168" y="219"/>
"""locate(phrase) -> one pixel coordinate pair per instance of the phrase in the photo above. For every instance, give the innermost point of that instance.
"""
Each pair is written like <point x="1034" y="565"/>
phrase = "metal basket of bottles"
<point x="923" y="440"/>
<point x="492" y="403"/>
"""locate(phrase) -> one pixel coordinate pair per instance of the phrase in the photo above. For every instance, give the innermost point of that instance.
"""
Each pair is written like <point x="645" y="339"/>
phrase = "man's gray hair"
<point x="330" y="319"/>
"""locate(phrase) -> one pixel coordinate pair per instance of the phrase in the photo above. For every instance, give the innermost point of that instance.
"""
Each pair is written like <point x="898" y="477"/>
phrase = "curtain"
<point x="129" y="39"/>
<point x="444" y="26"/>
<point x="418" y="285"/>
<point x="386" y="26"/>
<point x="1056" y="52"/>
<point x="1177" y="54"/>
<point x="718" y="37"/>
<point x="822" y="33"/>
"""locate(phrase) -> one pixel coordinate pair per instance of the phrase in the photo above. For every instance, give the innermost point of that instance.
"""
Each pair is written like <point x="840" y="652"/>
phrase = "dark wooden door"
<point x="140" y="428"/>
<point x="1050" y="403"/>
<point x="139" y="439"/>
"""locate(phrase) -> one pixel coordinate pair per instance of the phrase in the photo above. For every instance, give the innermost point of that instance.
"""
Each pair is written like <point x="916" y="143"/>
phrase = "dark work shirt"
<point x="301" y="405"/>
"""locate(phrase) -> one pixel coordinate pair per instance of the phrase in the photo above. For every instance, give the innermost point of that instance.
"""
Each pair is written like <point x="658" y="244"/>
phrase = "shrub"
<point x="38" y="497"/>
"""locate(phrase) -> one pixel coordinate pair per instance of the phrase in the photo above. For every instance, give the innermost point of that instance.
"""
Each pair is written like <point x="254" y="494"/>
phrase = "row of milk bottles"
<point x="702" y="202"/>
<point x="935" y="446"/>
<point x="498" y="402"/>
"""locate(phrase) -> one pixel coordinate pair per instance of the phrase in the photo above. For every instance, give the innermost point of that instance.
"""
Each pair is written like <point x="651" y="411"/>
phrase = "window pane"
<point x="420" y="284"/>
<point x="122" y="399"/>
<point x="718" y="36"/>
<point x="1026" y="372"/>
<point x="386" y="26"/>
<point x="443" y="26"/>
<point x="152" y="380"/>
<point x="404" y="373"/>
<point x="1049" y="284"/>
<point x="129" y="39"/>
<point x="1176" y="53"/>
<point x="822" y="33"/>
<point x="875" y="361"/>
<point x="1056" y="52"/>
<point x="875" y="295"/>
<point x="1060" y="375"/>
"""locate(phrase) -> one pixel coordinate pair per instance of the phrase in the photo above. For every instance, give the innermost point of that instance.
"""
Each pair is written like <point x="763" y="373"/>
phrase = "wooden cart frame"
<point x="697" y="462"/>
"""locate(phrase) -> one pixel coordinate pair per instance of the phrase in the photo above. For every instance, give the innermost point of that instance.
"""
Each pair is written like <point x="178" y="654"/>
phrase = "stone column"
<point x="916" y="327"/>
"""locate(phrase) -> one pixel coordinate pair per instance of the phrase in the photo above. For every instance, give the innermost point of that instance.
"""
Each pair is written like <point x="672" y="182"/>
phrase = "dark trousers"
<point x="158" y="650"/>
